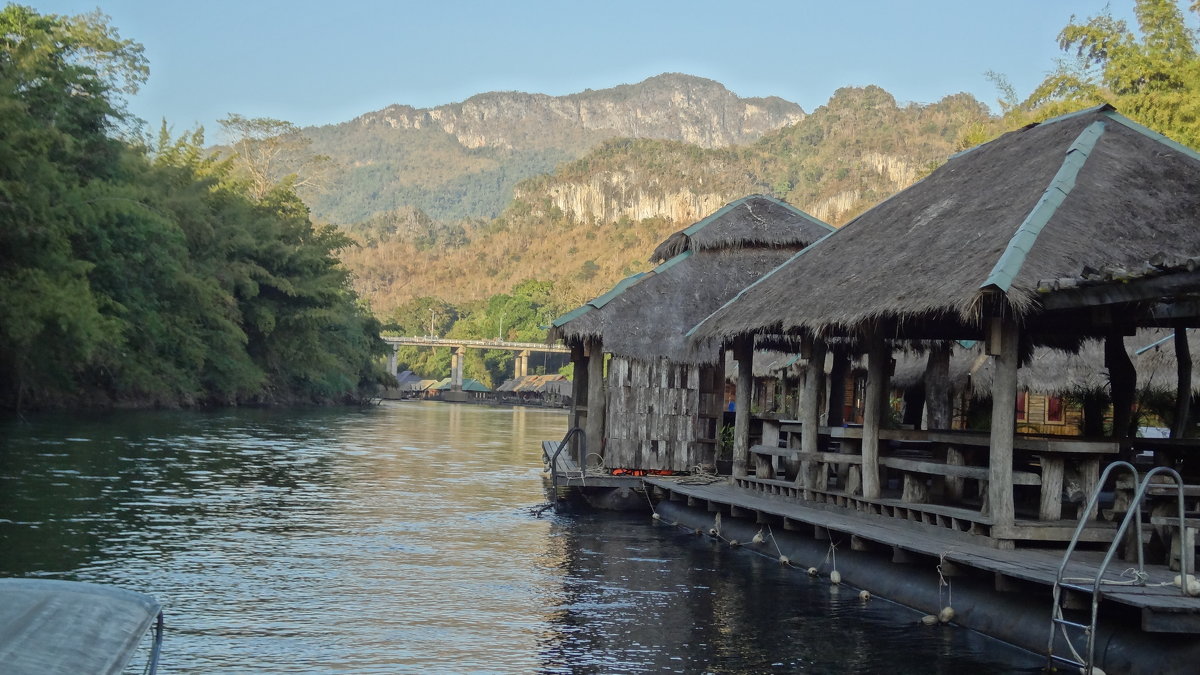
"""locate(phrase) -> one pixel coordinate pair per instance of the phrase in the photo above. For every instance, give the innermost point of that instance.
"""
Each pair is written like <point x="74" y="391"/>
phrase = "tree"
<point x="268" y="151"/>
<point x="1153" y="78"/>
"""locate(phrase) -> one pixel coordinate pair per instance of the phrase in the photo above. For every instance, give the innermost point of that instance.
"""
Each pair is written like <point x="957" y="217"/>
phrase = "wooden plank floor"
<point x="1034" y="565"/>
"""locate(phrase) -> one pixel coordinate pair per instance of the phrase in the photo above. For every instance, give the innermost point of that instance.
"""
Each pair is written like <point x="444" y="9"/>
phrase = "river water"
<point x="403" y="538"/>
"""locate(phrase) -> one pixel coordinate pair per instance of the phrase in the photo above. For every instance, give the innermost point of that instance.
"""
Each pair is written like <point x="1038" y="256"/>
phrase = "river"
<point x="404" y="538"/>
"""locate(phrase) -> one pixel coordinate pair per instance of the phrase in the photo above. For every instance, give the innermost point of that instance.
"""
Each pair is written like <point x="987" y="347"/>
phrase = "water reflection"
<point x="641" y="597"/>
<point x="399" y="539"/>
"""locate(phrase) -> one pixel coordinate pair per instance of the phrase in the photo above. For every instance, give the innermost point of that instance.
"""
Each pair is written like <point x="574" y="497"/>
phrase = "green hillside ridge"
<point x="596" y="219"/>
<point x="461" y="161"/>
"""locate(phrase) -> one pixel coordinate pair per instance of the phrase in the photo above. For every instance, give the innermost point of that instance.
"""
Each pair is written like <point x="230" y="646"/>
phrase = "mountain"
<point x="596" y="219"/>
<point x="461" y="161"/>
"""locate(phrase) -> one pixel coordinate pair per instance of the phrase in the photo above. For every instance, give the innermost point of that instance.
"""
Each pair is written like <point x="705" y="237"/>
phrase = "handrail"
<point x="573" y="431"/>
<point x="1133" y="513"/>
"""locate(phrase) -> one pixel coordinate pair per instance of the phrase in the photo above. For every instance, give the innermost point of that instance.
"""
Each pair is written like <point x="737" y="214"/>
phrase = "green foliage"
<point x="1153" y="76"/>
<point x="148" y="275"/>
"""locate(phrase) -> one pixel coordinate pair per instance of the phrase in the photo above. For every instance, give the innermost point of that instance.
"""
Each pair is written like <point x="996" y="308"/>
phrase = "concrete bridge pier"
<point x="456" y="368"/>
<point x="392" y="360"/>
<point x="521" y="364"/>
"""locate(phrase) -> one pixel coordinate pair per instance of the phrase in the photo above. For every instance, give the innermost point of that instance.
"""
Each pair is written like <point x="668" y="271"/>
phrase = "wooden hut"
<point x="1079" y="227"/>
<point x="660" y="405"/>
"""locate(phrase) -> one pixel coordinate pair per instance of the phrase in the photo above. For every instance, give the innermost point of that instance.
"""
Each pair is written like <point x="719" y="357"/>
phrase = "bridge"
<point x="460" y="347"/>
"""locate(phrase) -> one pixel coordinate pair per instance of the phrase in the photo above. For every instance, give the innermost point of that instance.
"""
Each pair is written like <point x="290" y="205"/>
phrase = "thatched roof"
<point x="1053" y="371"/>
<point x="645" y="316"/>
<point x="1047" y="201"/>
<point x="537" y="384"/>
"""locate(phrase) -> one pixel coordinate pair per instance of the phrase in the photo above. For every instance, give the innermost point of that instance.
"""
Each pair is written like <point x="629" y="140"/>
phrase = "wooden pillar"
<point x="1122" y="378"/>
<point x="579" y="394"/>
<point x="878" y="357"/>
<point x="1183" y="390"/>
<point x="743" y="353"/>
<point x="1004" y="423"/>
<point x="811" y="414"/>
<point x="939" y="409"/>
<point x="837" y="387"/>
<point x="596" y="401"/>
<point x="937" y="388"/>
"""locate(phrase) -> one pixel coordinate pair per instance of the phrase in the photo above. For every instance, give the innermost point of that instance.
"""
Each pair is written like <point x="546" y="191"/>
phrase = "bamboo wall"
<point x="661" y="416"/>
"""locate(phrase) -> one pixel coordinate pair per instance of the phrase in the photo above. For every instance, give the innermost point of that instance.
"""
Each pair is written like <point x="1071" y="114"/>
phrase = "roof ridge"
<point x="1013" y="258"/>
<point x="1124" y="121"/>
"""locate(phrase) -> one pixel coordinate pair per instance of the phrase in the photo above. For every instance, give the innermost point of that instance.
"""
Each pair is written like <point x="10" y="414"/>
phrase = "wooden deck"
<point x="568" y="474"/>
<point x="1162" y="608"/>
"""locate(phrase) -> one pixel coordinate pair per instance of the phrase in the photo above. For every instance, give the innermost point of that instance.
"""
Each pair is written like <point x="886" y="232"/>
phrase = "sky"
<point x="316" y="62"/>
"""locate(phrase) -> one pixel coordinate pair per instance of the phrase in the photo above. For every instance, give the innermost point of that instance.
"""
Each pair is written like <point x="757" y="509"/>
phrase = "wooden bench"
<point x="767" y="459"/>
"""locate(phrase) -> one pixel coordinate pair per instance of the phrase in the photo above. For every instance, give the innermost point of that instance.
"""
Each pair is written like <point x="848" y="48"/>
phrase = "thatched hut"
<point x="663" y="400"/>
<point x="1081" y="226"/>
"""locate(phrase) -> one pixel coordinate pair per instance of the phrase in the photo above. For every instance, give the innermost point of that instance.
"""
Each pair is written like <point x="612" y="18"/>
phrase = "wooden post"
<point x="579" y="395"/>
<point x="743" y="353"/>
<point x="940" y="410"/>
<point x="811" y="414"/>
<point x="1123" y="380"/>
<point x="1050" y="507"/>
<point x="596" y="400"/>
<point x="878" y="357"/>
<point x="1004" y="425"/>
<point x="1183" y="391"/>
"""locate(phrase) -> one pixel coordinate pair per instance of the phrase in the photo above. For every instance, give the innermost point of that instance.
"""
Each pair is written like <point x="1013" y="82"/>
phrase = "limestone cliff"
<point x="671" y="106"/>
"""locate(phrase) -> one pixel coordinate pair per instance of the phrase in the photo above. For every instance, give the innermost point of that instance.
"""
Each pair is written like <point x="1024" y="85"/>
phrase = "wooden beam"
<point x="1004" y="424"/>
<point x="743" y="353"/>
<point x="878" y="357"/>
<point x="1131" y="290"/>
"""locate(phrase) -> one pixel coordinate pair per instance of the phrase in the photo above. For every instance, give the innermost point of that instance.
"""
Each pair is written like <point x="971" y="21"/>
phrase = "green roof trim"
<point x="628" y="281"/>
<point x="1013" y="258"/>
<point x="598" y="302"/>
<point x="571" y="315"/>
<point x="1096" y="108"/>
<point x="798" y="212"/>
<point x="696" y="227"/>
<point x="1150" y="133"/>
<point x="693" y="229"/>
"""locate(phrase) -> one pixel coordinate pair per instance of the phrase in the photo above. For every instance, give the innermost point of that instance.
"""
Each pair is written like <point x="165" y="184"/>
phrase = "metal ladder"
<point x="1085" y="662"/>
<point x="552" y="460"/>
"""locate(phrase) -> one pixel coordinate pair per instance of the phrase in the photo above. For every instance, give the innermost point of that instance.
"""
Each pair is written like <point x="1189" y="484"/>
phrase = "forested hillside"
<point x="138" y="275"/>
<point x="595" y="220"/>
<point x="461" y="161"/>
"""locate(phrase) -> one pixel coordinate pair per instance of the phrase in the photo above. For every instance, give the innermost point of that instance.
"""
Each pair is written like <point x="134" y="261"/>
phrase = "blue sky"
<point x="316" y="62"/>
